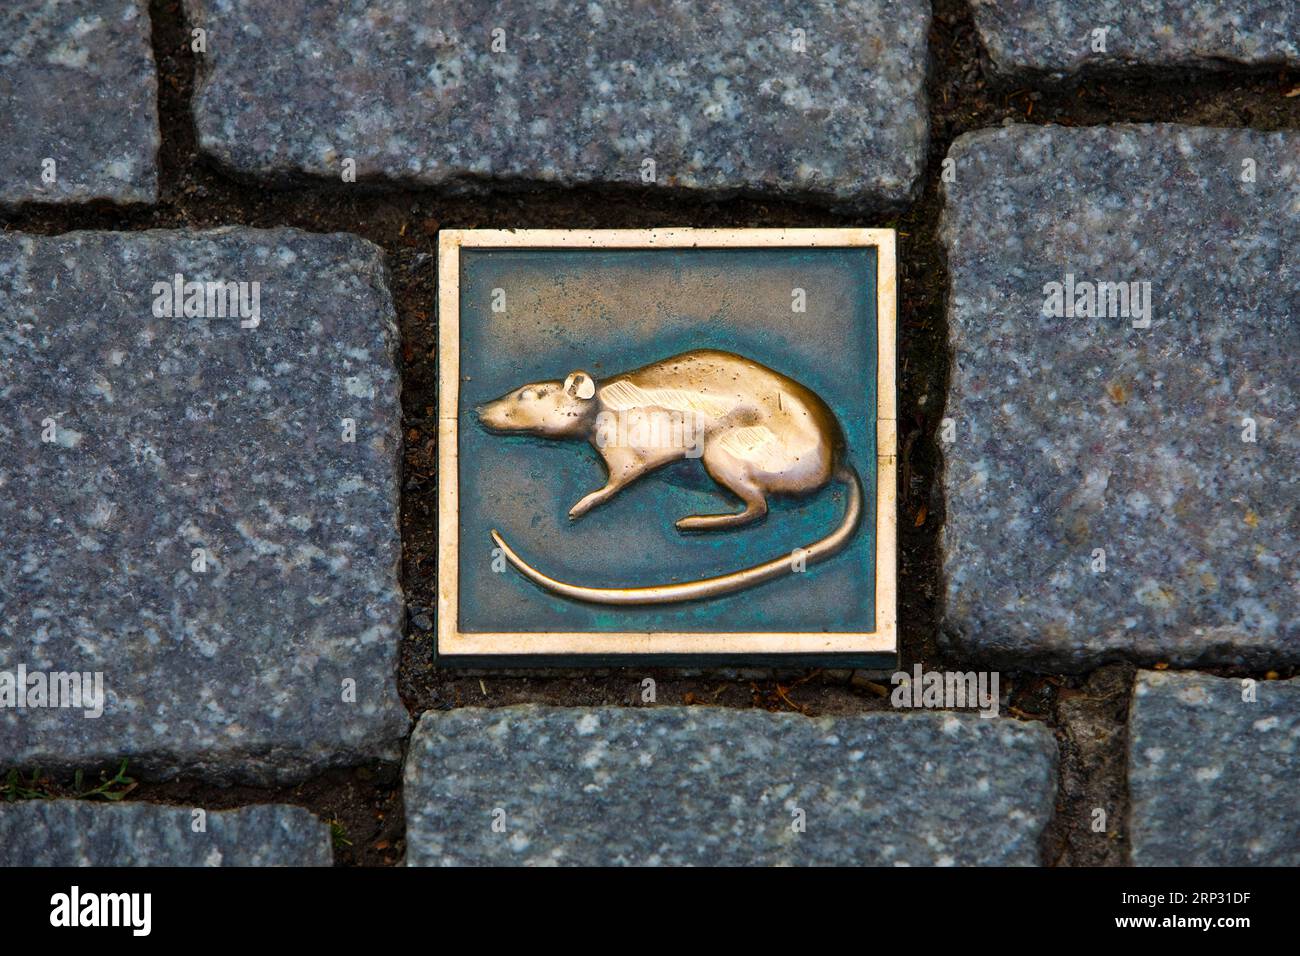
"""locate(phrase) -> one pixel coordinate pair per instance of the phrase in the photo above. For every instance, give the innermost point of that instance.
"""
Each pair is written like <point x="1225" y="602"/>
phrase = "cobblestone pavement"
<point x="226" y="528"/>
<point x="1142" y="442"/>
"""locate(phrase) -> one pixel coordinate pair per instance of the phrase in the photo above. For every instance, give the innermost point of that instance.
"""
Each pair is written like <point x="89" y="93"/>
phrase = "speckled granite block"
<point x="1215" y="779"/>
<point x="1079" y="435"/>
<point x="81" y="833"/>
<point x="713" y="91"/>
<point x="533" y="785"/>
<point x="78" y="86"/>
<point x="195" y="527"/>
<point x="1057" y="36"/>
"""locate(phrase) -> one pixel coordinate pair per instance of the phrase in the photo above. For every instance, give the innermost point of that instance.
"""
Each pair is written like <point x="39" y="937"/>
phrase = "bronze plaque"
<point x="667" y="446"/>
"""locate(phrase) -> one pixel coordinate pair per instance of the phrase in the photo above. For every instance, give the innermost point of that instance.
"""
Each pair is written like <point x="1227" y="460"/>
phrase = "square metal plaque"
<point x="667" y="446"/>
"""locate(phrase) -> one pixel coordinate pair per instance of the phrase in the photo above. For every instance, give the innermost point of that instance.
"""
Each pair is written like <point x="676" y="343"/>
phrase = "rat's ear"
<point x="579" y="385"/>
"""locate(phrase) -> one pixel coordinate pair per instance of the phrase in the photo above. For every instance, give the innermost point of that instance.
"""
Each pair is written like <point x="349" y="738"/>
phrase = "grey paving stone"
<point x="82" y="833"/>
<point x="77" y="86"/>
<point x="712" y="91"/>
<point x="1214" y="778"/>
<point x="176" y="434"/>
<point x="715" y="786"/>
<point x="1073" y="435"/>
<point x="1057" y="36"/>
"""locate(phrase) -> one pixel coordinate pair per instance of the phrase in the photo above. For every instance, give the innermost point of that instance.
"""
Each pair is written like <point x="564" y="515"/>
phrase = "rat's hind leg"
<point x="733" y="474"/>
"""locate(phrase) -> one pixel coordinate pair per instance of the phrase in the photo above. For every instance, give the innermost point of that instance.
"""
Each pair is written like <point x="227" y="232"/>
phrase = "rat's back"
<point x="783" y="431"/>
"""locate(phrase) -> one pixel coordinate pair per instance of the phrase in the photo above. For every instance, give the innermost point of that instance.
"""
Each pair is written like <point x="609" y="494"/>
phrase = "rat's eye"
<point x="527" y="395"/>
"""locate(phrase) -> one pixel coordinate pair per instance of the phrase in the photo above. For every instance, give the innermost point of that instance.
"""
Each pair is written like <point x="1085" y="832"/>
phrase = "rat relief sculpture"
<point x="757" y="433"/>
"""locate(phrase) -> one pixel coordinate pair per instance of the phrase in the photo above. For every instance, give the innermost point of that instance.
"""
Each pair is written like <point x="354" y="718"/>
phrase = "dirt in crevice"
<point x="1086" y="712"/>
<point x="1092" y="734"/>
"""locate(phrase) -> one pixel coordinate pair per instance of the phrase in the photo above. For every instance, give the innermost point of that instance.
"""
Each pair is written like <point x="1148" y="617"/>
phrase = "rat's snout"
<point x="495" y="415"/>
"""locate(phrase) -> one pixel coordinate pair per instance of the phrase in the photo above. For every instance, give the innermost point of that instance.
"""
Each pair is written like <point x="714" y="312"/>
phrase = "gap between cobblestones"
<point x="1087" y="712"/>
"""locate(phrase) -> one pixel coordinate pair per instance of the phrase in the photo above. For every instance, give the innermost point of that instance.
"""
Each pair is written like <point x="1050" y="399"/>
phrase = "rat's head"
<point x="552" y="409"/>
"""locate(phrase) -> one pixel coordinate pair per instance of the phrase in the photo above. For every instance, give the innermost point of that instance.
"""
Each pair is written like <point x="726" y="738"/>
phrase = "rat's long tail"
<point x="707" y="587"/>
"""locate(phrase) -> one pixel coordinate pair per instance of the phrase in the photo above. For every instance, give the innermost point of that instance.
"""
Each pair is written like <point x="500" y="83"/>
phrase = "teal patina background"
<point x="611" y="311"/>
